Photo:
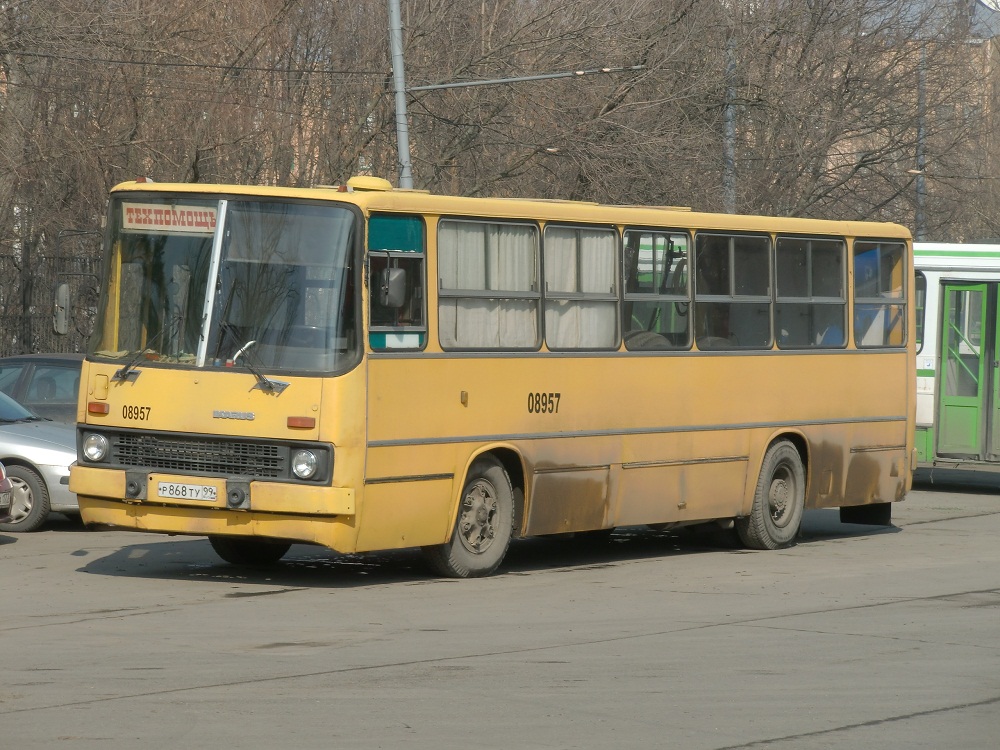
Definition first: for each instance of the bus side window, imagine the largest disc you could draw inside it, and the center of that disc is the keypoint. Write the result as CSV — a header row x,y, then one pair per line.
x,y
488,291
920,294
581,287
811,303
396,320
879,294
732,292
655,312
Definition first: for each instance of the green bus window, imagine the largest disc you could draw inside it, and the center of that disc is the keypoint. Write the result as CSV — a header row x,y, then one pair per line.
x,y
402,233
396,260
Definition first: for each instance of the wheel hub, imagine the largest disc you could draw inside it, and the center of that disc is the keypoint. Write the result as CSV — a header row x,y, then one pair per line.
x,y
20,500
479,509
778,497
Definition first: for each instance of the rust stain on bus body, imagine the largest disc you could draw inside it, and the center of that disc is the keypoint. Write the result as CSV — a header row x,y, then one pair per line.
x,y
570,500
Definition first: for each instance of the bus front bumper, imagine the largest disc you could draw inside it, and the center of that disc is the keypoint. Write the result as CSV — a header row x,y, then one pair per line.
x,y
111,497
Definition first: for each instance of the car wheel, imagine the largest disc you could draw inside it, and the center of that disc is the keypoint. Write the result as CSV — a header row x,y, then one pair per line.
x,y
29,507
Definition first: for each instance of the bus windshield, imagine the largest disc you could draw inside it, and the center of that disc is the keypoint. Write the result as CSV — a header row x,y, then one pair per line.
x,y
253,283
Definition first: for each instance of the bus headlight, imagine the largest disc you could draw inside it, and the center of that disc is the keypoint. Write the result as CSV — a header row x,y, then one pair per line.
x,y
304,464
95,447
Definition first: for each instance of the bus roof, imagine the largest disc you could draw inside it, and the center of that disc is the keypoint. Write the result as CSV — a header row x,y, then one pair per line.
x,y
420,201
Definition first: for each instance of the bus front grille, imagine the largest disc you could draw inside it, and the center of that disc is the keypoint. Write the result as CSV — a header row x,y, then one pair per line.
x,y
184,454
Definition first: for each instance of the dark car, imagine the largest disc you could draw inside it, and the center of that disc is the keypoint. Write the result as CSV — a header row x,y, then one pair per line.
x,y
47,384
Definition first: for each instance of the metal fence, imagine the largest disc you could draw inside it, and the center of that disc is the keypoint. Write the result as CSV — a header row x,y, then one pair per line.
x,y
27,302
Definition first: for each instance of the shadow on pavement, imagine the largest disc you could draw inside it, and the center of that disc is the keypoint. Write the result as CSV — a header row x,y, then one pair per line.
x,y
312,567
957,480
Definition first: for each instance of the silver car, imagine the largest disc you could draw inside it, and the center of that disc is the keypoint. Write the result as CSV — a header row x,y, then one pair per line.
x,y
37,455
5,487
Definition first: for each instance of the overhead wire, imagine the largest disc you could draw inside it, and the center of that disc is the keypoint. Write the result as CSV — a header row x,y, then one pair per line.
x,y
199,66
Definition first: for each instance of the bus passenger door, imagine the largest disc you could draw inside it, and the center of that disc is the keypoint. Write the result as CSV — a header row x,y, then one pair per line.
x,y
964,391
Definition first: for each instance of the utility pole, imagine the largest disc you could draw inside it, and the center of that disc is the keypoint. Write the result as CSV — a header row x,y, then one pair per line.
x,y
729,131
399,86
920,219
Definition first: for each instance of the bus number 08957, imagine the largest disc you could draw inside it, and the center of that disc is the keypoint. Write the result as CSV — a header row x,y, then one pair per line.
x,y
135,412
543,403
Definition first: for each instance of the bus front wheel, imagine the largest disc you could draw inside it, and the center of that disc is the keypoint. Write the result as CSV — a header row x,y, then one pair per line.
x,y
484,525
241,551
778,501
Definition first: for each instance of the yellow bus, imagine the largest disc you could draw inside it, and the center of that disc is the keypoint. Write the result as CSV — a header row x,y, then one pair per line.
x,y
368,368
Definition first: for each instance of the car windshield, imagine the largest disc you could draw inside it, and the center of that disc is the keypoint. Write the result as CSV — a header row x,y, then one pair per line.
x,y
209,283
11,411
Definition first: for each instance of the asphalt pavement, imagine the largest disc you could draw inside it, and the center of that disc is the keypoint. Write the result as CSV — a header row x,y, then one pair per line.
x,y
856,637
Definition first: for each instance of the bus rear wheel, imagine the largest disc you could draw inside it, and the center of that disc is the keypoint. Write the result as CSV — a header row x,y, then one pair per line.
x,y
778,501
484,525
242,551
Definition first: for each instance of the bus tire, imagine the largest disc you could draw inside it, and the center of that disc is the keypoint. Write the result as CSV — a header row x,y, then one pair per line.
x,y
484,525
243,551
778,501
29,506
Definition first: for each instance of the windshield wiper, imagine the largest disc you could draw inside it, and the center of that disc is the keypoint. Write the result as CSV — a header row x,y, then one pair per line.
x,y
263,383
128,372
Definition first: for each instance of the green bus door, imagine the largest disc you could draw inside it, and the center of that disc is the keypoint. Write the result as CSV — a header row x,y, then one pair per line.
x,y
967,401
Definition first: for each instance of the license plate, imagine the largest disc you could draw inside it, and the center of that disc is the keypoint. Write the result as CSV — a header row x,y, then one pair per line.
x,y
5,500
178,491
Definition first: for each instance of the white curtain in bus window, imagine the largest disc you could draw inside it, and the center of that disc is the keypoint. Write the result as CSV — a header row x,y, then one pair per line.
x,y
487,285
810,293
879,294
581,305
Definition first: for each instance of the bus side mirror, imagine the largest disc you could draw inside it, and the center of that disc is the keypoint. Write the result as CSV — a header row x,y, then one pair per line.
x,y
60,309
392,288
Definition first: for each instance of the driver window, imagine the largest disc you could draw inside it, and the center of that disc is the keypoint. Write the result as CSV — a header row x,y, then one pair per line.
x,y
396,244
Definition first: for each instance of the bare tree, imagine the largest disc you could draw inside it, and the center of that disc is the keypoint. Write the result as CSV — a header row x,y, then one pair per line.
x,y
843,108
